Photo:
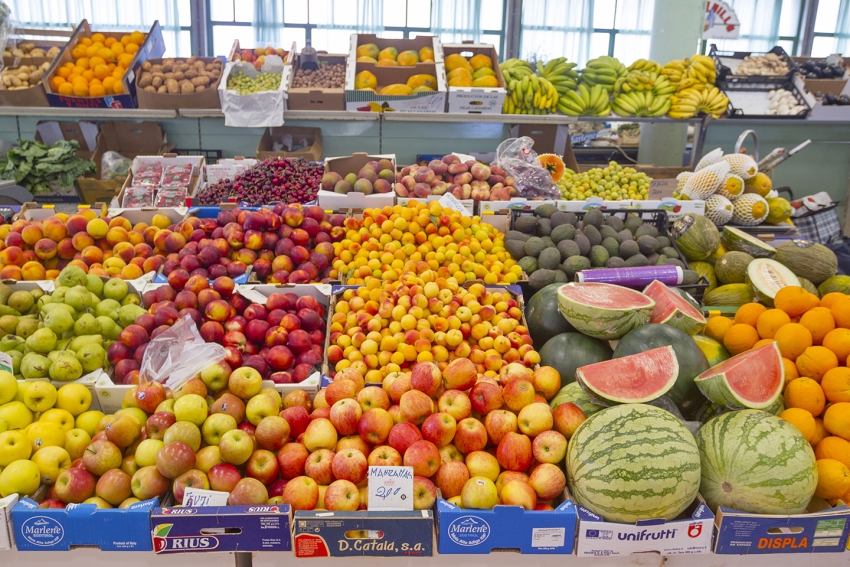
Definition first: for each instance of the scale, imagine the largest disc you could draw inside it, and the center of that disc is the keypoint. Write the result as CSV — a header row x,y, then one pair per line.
x,y
309,58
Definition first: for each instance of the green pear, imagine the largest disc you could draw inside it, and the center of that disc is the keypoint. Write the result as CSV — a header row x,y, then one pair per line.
x,y
59,293
58,321
78,297
61,306
10,343
86,325
66,367
43,340
62,344
5,292
21,301
44,300
91,357
71,276
108,327
94,284
107,308
26,327
8,323
53,355
128,313
131,299
34,365
79,342
16,357
116,289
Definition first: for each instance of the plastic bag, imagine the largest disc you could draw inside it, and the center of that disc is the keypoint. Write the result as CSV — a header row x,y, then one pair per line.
x,y
516,157
114,166
178,354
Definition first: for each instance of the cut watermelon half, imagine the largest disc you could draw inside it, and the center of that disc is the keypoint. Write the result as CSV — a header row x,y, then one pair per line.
x,y
750,380
673,309
631,379
603,311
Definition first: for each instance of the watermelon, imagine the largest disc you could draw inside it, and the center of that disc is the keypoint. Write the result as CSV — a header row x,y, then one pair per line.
x,y
544,317
567,351
714,351
604,311
752,379
631,379
573,393
692,361
672,309
755,462
633,462
709,410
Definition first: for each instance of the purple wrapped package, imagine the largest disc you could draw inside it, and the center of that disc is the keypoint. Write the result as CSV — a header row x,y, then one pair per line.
x,y
635,278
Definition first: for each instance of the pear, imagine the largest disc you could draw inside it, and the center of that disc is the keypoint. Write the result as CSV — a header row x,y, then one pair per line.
x,y
6,310
34,365
79,342
131,299
78,297
26,327
86,325
10,343
66,367
63,343
58,321
8,323
37,293
53,355
71,276
59,294
94,284
116,289
16,357
44,300
91,357
5,292
21,301
107,308
108,327
128,313
43,340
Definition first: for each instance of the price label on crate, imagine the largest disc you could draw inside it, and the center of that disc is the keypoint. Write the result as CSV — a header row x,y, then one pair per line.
x,y
390,488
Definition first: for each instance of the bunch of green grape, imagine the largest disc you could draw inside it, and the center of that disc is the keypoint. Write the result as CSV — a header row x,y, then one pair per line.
x,y
612,183
244,84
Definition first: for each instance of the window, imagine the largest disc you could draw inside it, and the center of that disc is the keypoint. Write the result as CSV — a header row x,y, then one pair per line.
x,y
832,28
765,24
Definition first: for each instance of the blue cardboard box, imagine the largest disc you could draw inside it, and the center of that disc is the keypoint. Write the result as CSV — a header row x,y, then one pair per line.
x,y
82,525
364,534
505,528
819,531
221,528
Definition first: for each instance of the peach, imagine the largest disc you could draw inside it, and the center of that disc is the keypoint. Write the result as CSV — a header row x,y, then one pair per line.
x,y
120,222
14,239
97,228
81,240
45,249
54,229
32,234
142,250
76,223
124,250
66,249
150,234
92,255
11,273
12,256
33,271
117,234
131,272
152,264
29,256
160,221
136,237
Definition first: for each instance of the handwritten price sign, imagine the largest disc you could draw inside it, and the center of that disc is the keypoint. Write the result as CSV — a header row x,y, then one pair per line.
x,y
390,488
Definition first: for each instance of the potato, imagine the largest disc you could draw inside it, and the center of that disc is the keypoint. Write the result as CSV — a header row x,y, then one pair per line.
x,y
191,74
178,76
38,53
26,47
150,89
15,81
167,65
183,67
172,86
18,53
36,75
200,88
162,89
201,81
157,81
146,66
168,76
156,69
53,51
186,87
191,60
145,80
214,75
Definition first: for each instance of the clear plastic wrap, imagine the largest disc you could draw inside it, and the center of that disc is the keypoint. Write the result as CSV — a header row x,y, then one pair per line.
x,y
178,354
516,157
114,166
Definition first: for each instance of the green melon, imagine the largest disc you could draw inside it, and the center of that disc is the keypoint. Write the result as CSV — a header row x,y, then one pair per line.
x,y
696,237
735,239
714,351
809,286
692,361
730,294
568,351
573,393
709,410
835,284
716,255
633,462
604,311
808,259
544,316
767,277
707,271
732,267
755,462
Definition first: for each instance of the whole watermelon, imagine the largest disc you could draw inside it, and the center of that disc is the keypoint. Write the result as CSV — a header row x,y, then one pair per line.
x,y
692,361
633,462
544,316
568,351
756,462
574,393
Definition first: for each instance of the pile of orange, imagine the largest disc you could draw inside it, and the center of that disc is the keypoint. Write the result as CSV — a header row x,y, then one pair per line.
x,y
99,64
814,339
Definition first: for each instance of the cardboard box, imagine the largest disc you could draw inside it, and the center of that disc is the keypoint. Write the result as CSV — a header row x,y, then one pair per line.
x,y
674,208
255,110
228,168
505,528
7,531
34,211
35,36
32,96
476,100
828,112
130,139
207,98
199,163
265,149
368,101
316,99
151,48
353,164
221,528
82,525
363,534
818,531
415,43
688,535
594,203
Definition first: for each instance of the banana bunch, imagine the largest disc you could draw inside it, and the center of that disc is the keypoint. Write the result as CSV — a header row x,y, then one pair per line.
x,y
645,65
641,103
689,102
593,101
674,70
701,68
603,71
560,73
513,69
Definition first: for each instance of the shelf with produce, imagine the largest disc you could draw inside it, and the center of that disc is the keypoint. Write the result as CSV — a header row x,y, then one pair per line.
x,y
99,113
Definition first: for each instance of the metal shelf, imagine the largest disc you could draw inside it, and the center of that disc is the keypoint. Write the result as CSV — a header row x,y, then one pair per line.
x,y
96,113
288,114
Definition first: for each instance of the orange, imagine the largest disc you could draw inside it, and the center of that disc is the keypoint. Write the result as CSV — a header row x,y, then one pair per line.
x,y
106,53
763,342
107,84
98,37
802,420
63,72
790,370
137,37
829,299
109,41
97,90
79,51
836,385
841,312
836,419
57,82
81,90
740,338
118,73
834,448
819,321
66,89
91,50
793,339
77,70
117,49
717,326
70,65
118,88
816,361
83,62
101,72
805,393
749,314
838,341
85,41
770,321
833,479
125,39
88,75
794,300
95,61
126,59
131,48
821,432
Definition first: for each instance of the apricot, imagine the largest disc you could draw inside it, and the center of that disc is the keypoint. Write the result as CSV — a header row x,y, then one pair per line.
x,y
32,234
54,229
97,228
91,255
117,234
33,271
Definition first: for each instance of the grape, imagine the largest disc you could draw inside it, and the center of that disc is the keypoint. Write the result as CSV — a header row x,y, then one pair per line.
x,y
612,183
246,85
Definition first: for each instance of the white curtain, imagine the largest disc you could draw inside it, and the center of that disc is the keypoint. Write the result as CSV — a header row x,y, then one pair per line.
x,y
759,26
456,20
633,21
268,20
555,28
335,21
841,43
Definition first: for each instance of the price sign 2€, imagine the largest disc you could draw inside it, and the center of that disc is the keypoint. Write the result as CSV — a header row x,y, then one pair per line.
x,y
390,488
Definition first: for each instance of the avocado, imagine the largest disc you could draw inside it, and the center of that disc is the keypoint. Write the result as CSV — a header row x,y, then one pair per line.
x,y
516,235
606,231
528,264
583,243
516,248
689,277
611,245
663,241
633,223
574,265
562,218
545,211
541,278
625,235
562,232
647,229
592,234
647,244
636,260
544,227
526,224
628,249
615,262
674,262
593,217
614,222
598,256
568,249
549,259
547,241
668,251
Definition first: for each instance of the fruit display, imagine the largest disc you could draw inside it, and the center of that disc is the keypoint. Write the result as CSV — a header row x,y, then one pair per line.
x,y
391,241
258,56
22,77
612,183
179,76
464,180
269,181
604,71
444,322
29,49
593,101
390,56
245,85
476,71
326,76
528,92
99,65
769,64
374,177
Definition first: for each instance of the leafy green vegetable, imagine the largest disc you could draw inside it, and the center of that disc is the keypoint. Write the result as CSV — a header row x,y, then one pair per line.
x,y
35,166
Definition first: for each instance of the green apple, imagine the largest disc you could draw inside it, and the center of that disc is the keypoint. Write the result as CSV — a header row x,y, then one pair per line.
x,y
14,446
167,405
45,434
16,414
8,387
74,399
76,442
40,396
21,477
215,426
138,413
60,417
51,461
3,426
146,452
192,408
88,420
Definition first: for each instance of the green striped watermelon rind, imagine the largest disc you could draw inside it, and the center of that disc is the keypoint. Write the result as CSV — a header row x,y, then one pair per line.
x,y
573,393
602,322
638,445
599,396
715,385
756,462
684,316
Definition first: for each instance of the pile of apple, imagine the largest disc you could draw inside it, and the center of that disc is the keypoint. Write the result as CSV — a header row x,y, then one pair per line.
x,y
258,56
464,180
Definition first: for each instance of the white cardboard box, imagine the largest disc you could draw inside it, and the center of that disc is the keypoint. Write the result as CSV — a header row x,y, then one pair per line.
x,y
476,100
344,165
7,532
594,203
674,208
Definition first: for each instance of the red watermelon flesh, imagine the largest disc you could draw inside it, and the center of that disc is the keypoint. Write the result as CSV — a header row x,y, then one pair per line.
x,y
673,309
752,379
631,379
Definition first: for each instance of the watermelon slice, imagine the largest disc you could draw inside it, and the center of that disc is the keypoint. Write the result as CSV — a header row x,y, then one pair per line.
x,y
673,309
750,380
603,311
631,379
